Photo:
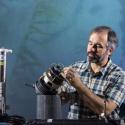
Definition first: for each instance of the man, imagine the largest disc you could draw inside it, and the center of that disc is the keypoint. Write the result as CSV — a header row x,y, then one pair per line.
x,y
98,85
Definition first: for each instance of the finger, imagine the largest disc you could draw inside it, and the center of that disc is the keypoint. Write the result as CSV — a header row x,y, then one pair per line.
x,y
69,77
63,74
67,69
70,73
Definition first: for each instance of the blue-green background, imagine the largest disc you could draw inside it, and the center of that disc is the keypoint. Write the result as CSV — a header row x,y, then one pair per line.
x,y
42,32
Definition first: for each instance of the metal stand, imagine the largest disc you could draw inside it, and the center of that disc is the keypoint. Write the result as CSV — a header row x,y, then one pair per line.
x,y
3,53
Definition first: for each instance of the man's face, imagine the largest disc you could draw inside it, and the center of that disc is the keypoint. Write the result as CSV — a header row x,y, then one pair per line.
x,y
97,49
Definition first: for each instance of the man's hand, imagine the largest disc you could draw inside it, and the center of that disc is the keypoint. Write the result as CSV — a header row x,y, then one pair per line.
x,y
64,96
73,77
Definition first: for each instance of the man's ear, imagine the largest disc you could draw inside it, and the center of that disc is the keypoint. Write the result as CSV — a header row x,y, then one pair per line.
x,y
110,51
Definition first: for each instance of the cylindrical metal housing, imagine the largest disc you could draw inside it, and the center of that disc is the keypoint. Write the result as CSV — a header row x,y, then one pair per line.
x,y
48,107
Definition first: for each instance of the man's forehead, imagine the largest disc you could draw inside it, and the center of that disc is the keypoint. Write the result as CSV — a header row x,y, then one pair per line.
x,y
100,36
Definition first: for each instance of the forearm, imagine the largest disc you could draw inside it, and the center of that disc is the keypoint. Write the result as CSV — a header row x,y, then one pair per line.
x,y
91,100
94,102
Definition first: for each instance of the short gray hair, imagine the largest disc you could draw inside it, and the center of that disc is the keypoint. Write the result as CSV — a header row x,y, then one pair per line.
x,y
112,37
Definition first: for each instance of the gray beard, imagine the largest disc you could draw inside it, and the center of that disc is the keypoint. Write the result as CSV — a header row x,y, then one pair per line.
x,y
96,60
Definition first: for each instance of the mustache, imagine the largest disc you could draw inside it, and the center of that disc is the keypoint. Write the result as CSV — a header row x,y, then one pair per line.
x,y
94,57
93,54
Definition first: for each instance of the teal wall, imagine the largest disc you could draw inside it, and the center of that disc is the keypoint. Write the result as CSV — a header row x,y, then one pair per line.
x,y
42,32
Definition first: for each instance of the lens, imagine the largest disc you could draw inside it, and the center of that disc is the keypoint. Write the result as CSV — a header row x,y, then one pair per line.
x,y
51,80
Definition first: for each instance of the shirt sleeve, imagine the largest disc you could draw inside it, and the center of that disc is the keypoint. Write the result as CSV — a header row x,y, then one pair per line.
x,y
117,93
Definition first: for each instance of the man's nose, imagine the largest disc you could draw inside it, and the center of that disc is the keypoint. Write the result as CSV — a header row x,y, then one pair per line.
x,y
94,48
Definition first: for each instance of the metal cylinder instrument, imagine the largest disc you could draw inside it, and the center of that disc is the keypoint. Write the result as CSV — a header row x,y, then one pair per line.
x,y
48,101
50,81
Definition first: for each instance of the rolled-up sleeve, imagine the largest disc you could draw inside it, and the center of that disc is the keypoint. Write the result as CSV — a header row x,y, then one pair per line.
x,y
117,93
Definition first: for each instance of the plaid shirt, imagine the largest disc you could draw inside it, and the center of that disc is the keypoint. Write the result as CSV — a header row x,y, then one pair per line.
x,y
108,83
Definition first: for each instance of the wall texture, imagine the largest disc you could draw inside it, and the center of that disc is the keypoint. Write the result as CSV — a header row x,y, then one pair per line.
x,y
42,32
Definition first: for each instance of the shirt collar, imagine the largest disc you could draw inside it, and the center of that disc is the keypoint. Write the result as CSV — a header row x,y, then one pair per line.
x,y
102,70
